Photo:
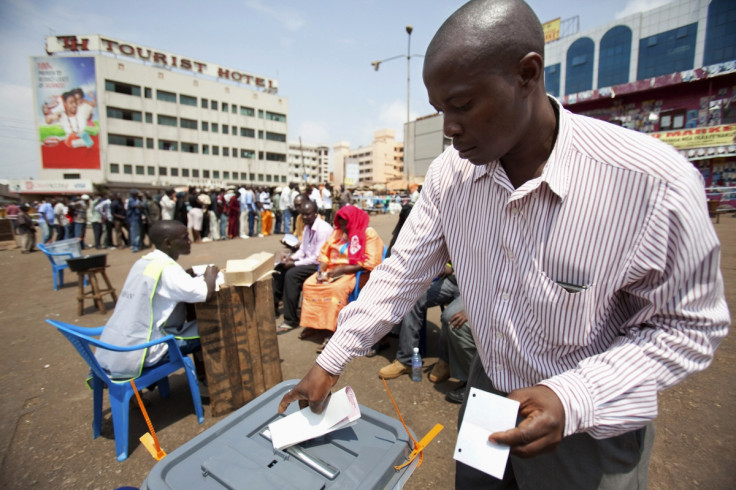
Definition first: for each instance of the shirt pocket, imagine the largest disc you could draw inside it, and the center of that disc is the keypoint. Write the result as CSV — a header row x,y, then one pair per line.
x,y
562,317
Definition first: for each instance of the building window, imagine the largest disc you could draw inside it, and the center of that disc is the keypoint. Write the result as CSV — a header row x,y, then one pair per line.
x,y
151,170
225,151
147,92
247,133
205,126
213,105
124,114
247,153
234,130
252,176
247,111
224,107
225,174
205,149
168,146
139,170
214,127
614,57
260,134
215,174
215,150
187,100
122,88
260,155
114,168
166,120
165,96
163,171
149,143
260,113
235,152
673,51
580,66
123,140
283,178
195,173
233,109
149,118
205,174
260,177
185,172
225,128
720,34
552,79
204,103
242,175
190,148
275,136
275,116
275,157
188,123
128,169
268,178
174,172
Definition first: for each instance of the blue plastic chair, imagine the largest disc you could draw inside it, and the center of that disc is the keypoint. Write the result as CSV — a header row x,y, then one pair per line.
x,y
121,391
354,295
57,266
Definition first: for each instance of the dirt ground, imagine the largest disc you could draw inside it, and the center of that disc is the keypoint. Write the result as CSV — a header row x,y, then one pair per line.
x,y
46,435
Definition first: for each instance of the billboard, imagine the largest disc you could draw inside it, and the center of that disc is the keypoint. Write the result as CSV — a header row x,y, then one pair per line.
x,y
66,112
551,30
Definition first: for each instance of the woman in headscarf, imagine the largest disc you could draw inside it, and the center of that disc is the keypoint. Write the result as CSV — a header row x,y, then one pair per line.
x,y
233,216
352,247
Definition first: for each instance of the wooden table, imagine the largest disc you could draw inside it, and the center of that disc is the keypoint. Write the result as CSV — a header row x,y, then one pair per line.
x,y
237,329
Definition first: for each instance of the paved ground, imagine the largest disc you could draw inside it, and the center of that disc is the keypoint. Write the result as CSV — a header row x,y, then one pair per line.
x,y
46,436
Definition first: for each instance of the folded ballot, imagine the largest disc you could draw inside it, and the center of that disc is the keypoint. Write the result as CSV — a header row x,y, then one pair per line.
x,y
342,410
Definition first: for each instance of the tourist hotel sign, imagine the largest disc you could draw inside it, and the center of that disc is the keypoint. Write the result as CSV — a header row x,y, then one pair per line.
x,y
85,44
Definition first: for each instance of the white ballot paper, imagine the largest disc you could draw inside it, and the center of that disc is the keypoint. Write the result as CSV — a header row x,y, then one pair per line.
x,y
342,410
485,413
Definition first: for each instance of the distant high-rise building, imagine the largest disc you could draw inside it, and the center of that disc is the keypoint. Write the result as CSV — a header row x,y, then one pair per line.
x,y
308,163
380,163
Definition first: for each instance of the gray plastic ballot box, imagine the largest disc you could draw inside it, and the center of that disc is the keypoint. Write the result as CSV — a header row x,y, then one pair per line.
x,y
237,453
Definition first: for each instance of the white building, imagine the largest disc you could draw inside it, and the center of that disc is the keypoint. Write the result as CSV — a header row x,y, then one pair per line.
x,y
425,140
308,164
379,163
160,119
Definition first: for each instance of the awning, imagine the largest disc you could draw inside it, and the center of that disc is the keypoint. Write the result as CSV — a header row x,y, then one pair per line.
x,y
709,152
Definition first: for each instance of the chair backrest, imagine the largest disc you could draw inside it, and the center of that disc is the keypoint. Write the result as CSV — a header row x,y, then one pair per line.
x,y
361,278
82,342
57,259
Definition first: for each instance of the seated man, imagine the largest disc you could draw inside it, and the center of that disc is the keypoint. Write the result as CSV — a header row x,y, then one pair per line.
x,y
297,267
442,292
152,304
457,349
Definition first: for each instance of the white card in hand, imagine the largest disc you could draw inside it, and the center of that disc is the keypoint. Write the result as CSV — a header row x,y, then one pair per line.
x,y
341,411
485,413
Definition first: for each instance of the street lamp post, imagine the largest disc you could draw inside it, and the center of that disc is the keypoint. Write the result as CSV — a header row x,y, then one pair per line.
x,y
376,64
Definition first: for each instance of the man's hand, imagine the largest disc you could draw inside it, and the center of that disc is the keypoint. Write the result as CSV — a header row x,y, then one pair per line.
x,y
313,390
288,263
542,427
210,278
458,319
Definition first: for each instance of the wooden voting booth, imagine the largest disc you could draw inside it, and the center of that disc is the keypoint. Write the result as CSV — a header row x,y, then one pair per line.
x,y
239,345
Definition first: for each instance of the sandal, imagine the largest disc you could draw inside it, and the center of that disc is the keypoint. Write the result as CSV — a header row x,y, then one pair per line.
x,y
283,328
307,332
323,345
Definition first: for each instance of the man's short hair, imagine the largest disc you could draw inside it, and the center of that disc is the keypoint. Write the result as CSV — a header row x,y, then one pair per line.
x,y
308,205
161,230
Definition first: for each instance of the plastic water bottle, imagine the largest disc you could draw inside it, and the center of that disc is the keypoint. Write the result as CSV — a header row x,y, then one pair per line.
x,y
416,365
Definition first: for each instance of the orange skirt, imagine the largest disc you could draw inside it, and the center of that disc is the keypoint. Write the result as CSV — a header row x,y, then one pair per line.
x,y
322,302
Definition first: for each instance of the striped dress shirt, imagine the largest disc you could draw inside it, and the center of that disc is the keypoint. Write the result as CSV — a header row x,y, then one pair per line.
x,y
599,279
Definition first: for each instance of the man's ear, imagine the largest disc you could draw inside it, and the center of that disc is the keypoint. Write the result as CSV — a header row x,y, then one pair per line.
x,y
531,72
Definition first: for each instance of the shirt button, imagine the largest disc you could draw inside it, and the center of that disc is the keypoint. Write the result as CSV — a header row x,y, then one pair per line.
x,y
505,296
499,335
514,211
499,367
510,254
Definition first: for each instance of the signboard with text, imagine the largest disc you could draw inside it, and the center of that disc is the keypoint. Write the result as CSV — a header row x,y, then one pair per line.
x,y
698,137
66,112
551,30
51,187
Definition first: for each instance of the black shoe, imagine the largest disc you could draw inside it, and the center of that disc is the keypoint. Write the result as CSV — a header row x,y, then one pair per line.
x,y
457,395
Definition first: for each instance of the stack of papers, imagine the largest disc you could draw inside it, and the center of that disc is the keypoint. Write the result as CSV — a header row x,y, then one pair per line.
x,y
342,411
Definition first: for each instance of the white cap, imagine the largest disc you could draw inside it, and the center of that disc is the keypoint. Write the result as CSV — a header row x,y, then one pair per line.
x,y
85,197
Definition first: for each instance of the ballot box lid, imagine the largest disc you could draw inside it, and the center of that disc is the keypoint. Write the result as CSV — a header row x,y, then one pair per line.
x,y
235,454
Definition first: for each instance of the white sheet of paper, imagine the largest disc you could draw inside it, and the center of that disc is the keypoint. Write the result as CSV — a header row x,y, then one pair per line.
x,y
341,411
485,413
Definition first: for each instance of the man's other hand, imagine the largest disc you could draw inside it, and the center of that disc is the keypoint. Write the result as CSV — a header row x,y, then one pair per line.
x,y
542,427
313,390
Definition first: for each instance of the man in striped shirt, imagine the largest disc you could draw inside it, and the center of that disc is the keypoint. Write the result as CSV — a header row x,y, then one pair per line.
x,y
588,263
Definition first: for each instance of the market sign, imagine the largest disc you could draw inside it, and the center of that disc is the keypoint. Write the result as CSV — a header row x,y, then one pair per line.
x,y
551,30
698,137
84,44
51,187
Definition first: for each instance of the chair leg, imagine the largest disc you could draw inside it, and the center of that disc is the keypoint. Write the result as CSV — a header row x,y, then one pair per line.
x,y
120,408
97,388
194,388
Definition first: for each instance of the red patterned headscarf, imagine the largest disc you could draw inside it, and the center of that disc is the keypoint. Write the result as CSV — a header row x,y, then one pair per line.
x,y
357,223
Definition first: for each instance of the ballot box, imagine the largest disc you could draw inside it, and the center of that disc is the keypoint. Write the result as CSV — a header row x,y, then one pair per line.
x,y
234,453
237,329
